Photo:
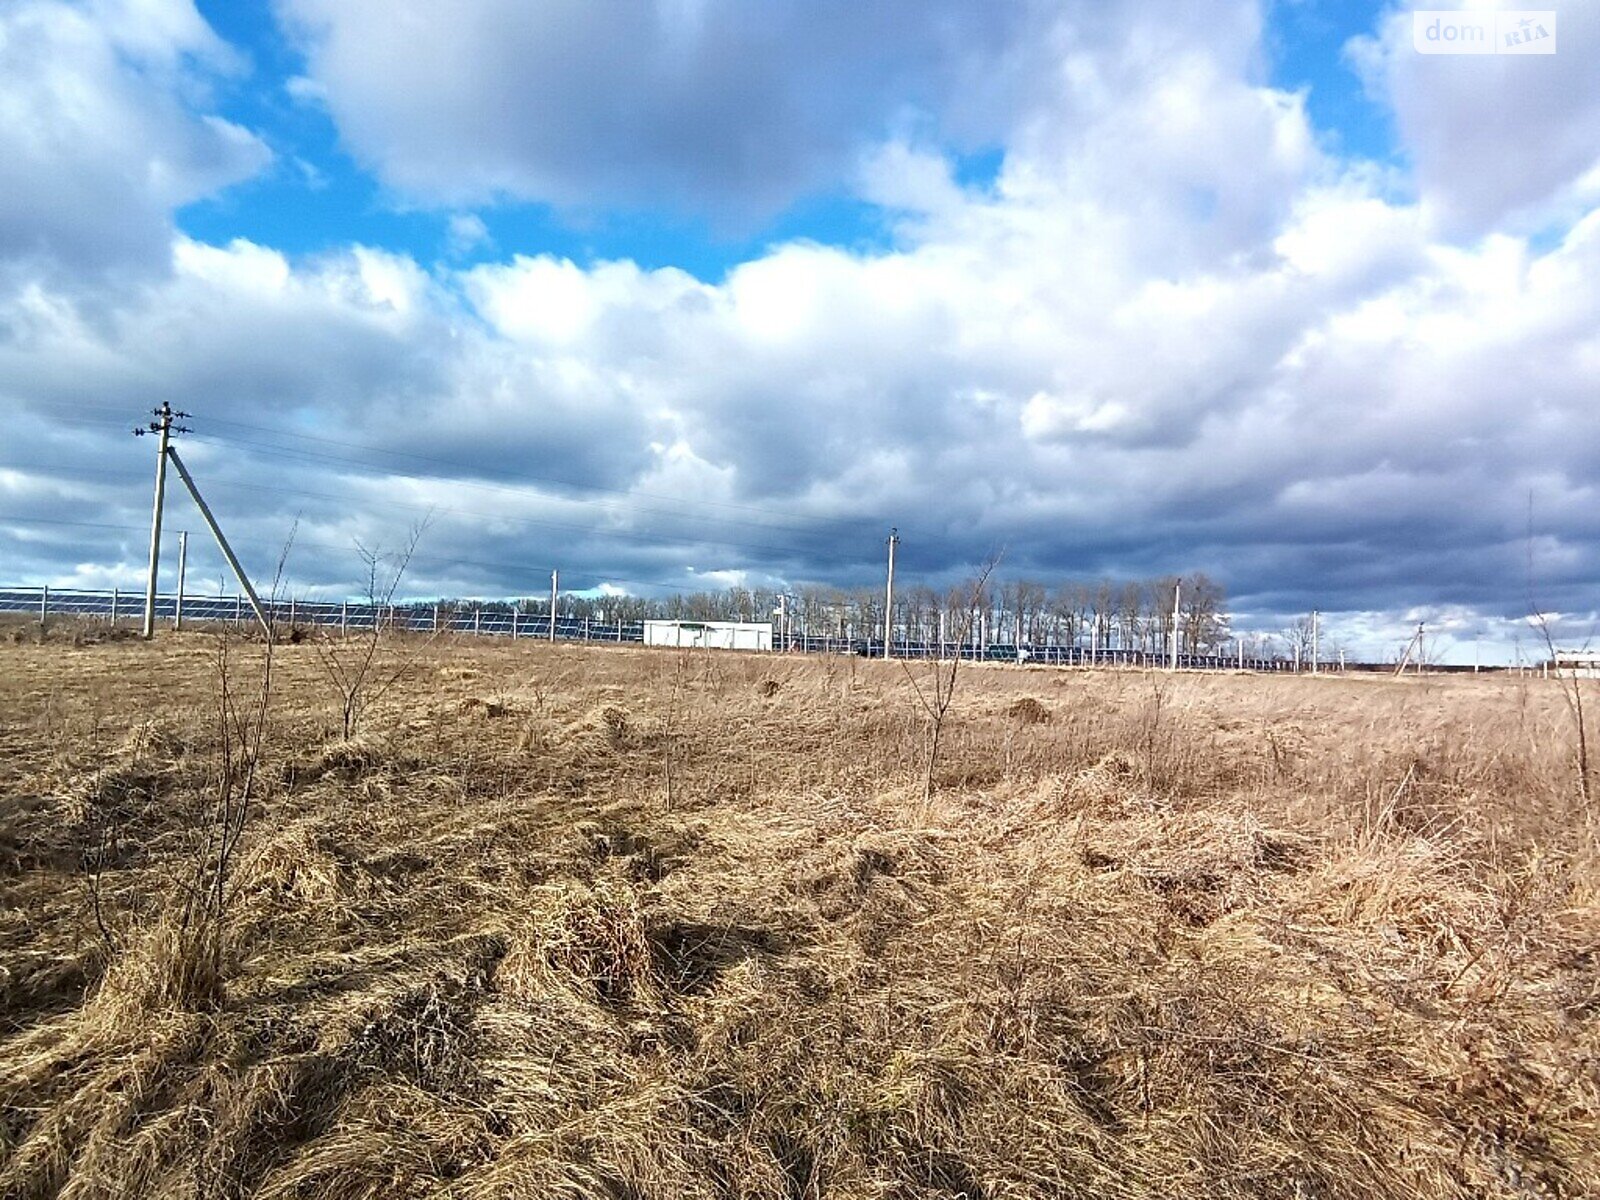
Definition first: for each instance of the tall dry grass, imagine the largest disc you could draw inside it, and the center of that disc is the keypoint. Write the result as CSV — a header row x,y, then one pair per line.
x,y
1152,936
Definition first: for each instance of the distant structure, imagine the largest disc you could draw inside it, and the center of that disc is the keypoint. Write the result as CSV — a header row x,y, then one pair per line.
x,y
715,635
1577,664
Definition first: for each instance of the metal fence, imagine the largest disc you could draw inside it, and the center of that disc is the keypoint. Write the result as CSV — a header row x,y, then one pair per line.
x,y
117,606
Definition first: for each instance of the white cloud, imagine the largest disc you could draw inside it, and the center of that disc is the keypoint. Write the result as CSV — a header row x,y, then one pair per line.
x,y
1494,137
721,107
466,232
97,144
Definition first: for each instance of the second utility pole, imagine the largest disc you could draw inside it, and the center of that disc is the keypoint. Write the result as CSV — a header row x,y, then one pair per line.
x,y
888,595
1177,606
183,563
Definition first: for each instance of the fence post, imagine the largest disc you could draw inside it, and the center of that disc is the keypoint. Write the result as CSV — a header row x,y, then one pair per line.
x,y
113,608
44,604
343,605
513,622
477,620
238,608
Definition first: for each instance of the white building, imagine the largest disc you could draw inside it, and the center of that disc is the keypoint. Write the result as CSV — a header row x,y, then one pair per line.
x,y
716,635
1579,664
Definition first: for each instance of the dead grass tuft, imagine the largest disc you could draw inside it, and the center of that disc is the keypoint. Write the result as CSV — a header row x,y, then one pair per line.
x,y
594,937
168,969
1028,711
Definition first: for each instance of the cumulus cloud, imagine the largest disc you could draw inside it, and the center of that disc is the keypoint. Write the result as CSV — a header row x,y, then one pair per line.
x,y
708,104
1494,137
102,136
718,107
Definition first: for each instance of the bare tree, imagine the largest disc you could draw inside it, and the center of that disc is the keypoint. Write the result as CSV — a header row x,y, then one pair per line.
x,y
352,664
243,713
1129,625
940,693
1297,636
1158,602
1205,627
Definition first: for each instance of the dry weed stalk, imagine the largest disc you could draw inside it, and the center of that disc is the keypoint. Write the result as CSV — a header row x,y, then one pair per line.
x,y
1572,697
1571,687
669,731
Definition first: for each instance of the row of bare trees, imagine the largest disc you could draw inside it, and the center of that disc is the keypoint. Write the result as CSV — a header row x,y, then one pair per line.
x,y
1134,615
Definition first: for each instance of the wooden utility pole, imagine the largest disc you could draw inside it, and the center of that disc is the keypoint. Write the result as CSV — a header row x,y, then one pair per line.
x,y
888,595
1406,657
163,428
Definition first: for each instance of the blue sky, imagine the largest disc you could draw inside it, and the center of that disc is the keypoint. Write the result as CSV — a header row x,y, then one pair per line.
x,y
685,290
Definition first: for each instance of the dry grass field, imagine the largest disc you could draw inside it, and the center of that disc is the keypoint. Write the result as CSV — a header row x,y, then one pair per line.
x,y
568,922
